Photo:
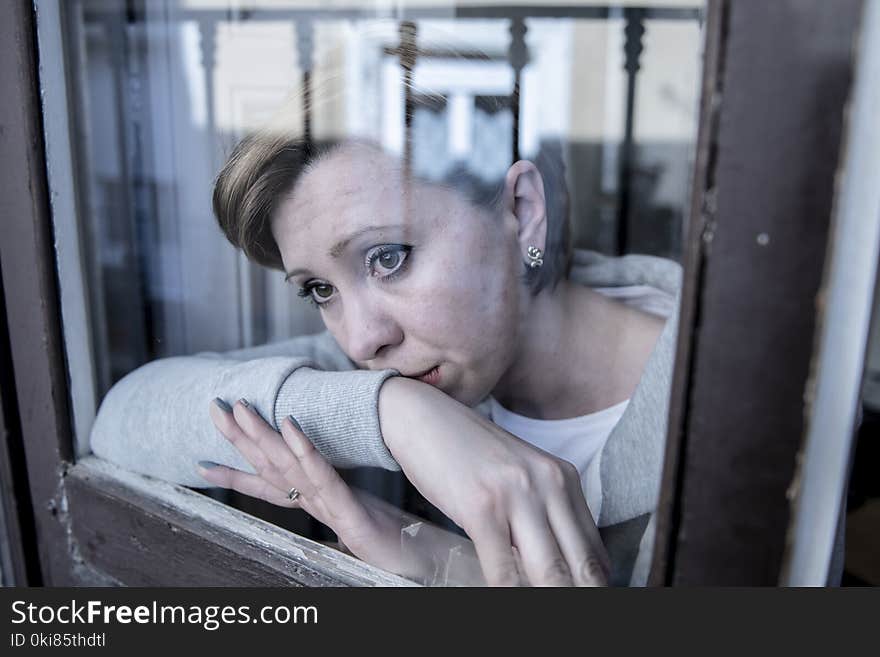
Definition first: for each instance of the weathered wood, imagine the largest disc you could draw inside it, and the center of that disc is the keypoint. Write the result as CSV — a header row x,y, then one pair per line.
x,y
145,532
30,287
757,252
17,534
700,214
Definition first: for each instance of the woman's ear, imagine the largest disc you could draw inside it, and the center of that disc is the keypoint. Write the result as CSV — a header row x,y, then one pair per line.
x,y
524,194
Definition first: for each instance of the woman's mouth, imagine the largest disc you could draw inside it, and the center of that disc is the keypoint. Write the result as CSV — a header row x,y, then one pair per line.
x,y
431,377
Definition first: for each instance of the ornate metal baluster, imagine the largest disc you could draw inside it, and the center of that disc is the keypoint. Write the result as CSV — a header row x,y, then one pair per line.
x,y
407,52
517,55
208,49
304,43
634,30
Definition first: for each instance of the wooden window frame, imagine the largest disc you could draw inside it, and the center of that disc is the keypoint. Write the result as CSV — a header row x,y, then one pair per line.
x,y
724,511
771,127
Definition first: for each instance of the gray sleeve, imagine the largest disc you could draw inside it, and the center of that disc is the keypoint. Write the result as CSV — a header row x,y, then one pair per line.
x,y
155,420
340,414
637,444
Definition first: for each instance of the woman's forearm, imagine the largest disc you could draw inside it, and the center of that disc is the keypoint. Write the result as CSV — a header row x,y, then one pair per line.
x,y
395,403
155,420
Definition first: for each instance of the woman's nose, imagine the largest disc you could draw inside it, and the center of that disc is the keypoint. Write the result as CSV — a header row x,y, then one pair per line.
x,y
370,330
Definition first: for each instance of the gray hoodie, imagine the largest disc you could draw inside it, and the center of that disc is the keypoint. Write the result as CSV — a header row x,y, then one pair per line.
x,y
155,420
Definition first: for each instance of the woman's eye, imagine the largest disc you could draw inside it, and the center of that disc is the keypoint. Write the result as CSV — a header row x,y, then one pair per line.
x,y
389,260
322,292
319,293
385,260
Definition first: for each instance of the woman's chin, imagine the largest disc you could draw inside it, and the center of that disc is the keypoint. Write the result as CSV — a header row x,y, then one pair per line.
x,y
469,396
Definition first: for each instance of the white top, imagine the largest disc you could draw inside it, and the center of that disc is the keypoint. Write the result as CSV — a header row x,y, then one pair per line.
x,y
579,440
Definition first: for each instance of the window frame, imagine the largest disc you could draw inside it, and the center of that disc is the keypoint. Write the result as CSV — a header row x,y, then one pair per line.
x,y
96,525
761,223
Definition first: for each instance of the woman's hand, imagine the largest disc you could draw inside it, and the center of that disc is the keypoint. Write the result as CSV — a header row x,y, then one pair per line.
x,y
508,495
289,460
369,527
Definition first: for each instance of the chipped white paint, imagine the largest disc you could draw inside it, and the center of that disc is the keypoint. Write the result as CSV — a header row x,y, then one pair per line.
x,y
60,171
287,545
844,319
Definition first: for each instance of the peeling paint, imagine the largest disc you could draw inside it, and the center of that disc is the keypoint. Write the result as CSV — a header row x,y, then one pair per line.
x,y
298,554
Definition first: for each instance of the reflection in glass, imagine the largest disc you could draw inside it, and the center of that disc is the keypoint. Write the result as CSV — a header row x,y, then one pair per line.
x,y
164,91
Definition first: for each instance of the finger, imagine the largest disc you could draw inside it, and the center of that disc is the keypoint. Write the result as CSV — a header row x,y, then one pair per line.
x,y
262,434
542,559
247,484
281,467
492,542
228,425
578,538
324,485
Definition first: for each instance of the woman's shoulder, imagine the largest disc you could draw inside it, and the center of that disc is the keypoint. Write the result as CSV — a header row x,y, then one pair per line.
x,y
319,348
598,270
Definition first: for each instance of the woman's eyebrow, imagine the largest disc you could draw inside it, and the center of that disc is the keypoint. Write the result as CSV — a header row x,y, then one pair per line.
x,y
294,272
337,249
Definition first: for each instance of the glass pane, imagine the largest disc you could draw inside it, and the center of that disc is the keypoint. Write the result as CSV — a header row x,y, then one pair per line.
x,y
417,114
861,543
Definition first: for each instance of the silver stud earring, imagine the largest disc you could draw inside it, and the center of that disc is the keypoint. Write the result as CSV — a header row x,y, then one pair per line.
x,y
536,256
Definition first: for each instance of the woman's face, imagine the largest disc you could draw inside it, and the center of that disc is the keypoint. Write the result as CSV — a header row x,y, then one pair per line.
x,y
411,278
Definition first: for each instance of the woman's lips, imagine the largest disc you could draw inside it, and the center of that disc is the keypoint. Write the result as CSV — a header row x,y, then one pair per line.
x,y
431,377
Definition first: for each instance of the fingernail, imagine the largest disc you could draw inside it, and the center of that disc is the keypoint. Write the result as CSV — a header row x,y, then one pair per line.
x,y
222,405
295,424
208,464
297,446
244,402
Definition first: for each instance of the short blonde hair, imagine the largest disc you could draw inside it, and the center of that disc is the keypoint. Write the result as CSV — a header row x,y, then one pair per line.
x,y
258,174
264,168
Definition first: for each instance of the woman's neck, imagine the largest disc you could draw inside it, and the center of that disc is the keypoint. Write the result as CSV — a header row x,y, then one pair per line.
x,y
579,353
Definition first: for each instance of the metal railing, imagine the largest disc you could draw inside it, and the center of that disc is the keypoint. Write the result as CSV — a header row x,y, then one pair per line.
x,y
408,52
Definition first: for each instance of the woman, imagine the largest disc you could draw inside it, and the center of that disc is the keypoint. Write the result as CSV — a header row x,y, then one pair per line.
x,y
465,301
